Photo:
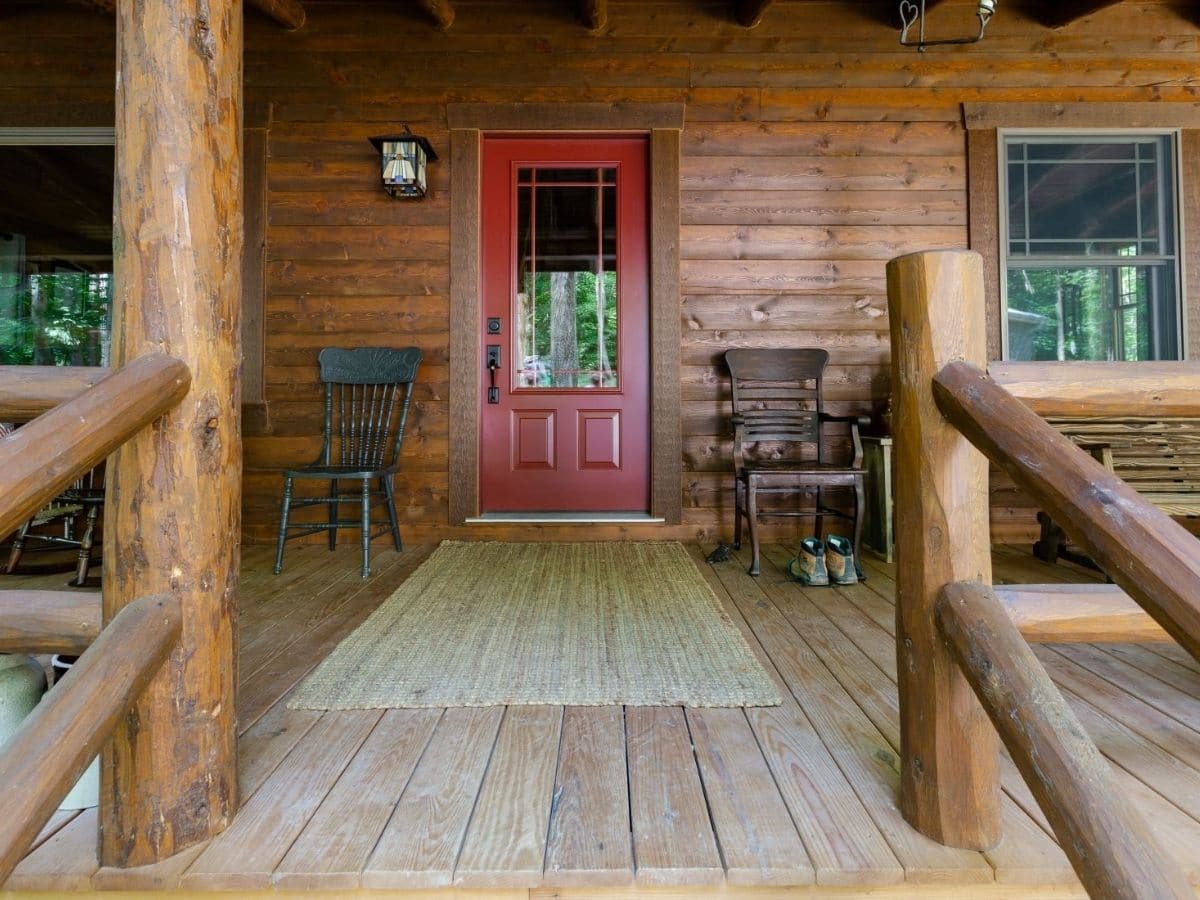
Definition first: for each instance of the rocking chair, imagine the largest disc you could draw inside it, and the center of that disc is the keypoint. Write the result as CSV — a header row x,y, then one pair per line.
x,y
367,396
779,446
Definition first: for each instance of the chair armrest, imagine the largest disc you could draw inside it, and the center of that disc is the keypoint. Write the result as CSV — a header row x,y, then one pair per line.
x,y
860,421
855,423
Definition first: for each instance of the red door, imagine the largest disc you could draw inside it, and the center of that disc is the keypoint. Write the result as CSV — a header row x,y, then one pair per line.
x,y
565,330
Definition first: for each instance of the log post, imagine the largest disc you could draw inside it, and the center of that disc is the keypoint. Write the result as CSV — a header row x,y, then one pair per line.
x,y
949,780
169,776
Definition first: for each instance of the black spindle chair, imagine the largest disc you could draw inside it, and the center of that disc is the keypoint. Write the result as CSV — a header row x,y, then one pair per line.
x,y
779,445
367,396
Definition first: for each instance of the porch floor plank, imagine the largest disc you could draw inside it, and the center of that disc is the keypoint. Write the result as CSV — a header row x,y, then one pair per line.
x,y
1028,854
843,843
550,801
245,855
66,861
506,842
588,839
673,842
861,751
758,840
420,845
333,848
1166,671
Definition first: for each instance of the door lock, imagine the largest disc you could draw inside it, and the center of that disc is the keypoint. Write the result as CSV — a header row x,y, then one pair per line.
x,y
493,363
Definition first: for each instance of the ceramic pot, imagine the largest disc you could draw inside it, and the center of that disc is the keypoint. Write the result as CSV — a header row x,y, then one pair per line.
x,y
22,683
86,792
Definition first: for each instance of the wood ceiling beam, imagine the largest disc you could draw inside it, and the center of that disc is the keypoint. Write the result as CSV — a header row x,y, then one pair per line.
x,y
288,13
1056,15
594,14
441,11
749,13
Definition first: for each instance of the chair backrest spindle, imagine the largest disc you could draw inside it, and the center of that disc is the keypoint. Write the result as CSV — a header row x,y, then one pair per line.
x,y
369,383
777,395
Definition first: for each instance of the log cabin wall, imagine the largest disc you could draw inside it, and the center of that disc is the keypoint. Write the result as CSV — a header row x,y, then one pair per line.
x,y
815,149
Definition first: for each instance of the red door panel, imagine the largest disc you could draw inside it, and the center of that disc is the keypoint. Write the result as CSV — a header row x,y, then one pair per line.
x,y
565,279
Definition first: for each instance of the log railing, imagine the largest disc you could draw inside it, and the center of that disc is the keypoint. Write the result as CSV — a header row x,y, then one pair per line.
x,y
961,652
39,765
61,737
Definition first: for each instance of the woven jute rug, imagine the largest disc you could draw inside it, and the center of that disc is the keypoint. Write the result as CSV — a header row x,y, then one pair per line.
x,y
485,624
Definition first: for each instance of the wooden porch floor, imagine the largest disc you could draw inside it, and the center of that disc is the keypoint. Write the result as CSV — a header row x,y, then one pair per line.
x,y
551,802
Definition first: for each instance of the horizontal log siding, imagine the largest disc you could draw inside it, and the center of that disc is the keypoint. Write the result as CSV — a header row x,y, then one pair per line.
x,y
814,150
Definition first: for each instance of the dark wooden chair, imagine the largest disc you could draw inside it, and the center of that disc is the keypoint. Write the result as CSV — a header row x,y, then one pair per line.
x,y
82,500
367,396
779,446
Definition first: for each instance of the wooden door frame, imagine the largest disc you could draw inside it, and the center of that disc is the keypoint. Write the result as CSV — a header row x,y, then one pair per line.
x,y
664,124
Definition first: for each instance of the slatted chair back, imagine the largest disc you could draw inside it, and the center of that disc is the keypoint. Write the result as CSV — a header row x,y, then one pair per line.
x,y
368,391
777,395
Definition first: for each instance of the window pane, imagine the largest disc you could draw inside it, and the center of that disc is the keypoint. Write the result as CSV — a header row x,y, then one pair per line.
x,y
566,308
1016,204
1092,313
55,254
1089,239
1082,201
1071,150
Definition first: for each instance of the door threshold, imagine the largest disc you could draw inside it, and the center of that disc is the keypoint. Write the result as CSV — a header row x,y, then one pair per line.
x,y
566,518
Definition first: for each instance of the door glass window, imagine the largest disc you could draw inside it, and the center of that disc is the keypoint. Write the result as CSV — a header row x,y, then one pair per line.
x,y
566,305
1091,265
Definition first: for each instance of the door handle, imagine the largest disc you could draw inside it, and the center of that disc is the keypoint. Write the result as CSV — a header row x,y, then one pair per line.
x,y
493,363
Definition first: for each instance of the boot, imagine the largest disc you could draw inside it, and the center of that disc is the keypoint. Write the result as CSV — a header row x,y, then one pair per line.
x,y
839,559
808,567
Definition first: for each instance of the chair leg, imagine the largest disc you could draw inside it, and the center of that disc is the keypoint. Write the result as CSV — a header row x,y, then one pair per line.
x,y
391,508
18,547
860,504
283,523
819,521
737,513
366,527
1048,548
752,518
333,513
85,546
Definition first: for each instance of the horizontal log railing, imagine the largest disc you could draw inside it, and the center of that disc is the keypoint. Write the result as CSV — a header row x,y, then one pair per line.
x,y
1150,555
1109,845
59,739
956,633
1102,388
28,391
1078,614
40,459
48,621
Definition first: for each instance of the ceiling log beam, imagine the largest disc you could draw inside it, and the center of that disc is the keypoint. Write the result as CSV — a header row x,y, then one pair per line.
x,y
749,13
1057,15
288,13
594,14
441,11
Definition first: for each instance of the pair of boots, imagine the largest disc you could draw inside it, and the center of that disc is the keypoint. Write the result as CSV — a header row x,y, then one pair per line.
x,y
820,564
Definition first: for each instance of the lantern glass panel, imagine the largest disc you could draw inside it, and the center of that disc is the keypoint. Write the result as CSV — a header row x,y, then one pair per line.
x,y
404,168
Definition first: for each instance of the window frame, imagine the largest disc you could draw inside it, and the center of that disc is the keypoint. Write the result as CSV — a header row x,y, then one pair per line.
x,y
1175,134
982,120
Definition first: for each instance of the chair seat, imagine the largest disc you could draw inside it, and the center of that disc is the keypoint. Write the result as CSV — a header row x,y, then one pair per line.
x,y
797,467
326,472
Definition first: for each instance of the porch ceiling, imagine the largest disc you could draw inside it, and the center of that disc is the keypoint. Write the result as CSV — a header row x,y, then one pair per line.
x,y
593,15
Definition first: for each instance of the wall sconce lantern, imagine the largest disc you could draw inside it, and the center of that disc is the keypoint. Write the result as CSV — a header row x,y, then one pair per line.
x,y
404,159
912,12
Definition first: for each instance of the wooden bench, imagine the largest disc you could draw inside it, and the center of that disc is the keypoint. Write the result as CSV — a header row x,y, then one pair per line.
x,y
1158,456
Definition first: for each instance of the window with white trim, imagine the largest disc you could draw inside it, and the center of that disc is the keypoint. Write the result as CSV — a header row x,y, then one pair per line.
x,y
1089,246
